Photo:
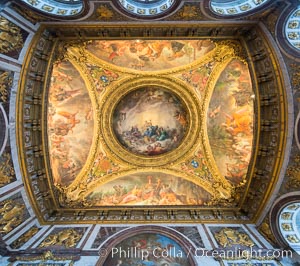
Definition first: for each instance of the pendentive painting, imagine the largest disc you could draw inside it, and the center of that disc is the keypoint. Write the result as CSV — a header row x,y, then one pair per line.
x,y
230,121
150,121
148,249
70,123
148,189
150,55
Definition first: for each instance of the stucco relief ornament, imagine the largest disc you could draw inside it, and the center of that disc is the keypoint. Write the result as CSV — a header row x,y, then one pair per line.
x,y
226,195
294,175
7,171
228,237
11,215
67,50
68,238
72,197
265,230
10,36
24,238
5,84
104,13
189,12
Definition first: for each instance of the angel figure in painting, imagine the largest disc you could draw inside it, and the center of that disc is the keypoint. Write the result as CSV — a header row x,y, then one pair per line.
x,y
238,122
181,117
71,119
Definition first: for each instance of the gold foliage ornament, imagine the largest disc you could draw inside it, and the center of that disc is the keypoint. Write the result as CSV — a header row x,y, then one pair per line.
x,y
104,13
228,237
10,36
67,238
225,195
11,215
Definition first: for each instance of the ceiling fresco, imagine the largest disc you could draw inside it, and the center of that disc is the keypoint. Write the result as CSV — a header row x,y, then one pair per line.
x,y
151,188
150,55
70,122
150,122
230,121
178,118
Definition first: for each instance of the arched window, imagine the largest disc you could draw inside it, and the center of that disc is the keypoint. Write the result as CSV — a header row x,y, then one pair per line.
x,y
235,7
292,28
289,225
147,8
61,8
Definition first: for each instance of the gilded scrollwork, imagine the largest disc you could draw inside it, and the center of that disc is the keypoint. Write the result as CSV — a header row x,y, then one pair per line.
x,y
72,197
232,196
5,84
46,256
10,36
7,172
266,231
63,49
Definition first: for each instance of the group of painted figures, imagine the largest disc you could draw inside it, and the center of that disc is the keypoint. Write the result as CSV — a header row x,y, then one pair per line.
x,y
156,138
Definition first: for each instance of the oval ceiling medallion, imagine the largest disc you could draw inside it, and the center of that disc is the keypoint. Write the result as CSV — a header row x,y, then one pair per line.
x,y
235,7
150,121
147,122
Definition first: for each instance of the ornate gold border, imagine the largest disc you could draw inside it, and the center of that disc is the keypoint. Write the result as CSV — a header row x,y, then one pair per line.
x,y
165,170
113,96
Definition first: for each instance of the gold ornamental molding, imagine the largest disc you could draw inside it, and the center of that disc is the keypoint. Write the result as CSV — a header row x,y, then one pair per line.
x,y
188,99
